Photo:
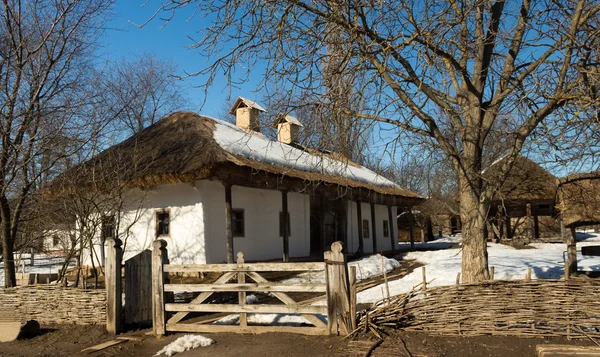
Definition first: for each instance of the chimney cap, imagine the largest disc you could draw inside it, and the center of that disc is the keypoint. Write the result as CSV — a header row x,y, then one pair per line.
x,y
286,118
244,102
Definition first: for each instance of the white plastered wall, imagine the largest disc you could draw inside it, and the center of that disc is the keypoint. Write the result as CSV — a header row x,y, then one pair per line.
x,y
261,239
381,214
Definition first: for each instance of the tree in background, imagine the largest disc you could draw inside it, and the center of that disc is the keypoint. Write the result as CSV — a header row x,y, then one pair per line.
x,y
449,71
142,88
45,96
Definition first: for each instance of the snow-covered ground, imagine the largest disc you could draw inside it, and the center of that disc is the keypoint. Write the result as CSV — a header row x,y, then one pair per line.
x,y
43,263
185,343
442,266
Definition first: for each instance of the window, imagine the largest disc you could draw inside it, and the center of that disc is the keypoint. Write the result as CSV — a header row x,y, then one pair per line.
x,y
108,228
386,228
365,227
162,223
281,223
237,222
55,240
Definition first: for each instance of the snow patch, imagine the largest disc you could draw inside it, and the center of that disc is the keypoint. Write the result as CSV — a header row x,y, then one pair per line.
x,y
185,343
256,147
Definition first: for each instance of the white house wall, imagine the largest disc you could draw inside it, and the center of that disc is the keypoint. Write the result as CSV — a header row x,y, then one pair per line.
x,y
381,214
261,239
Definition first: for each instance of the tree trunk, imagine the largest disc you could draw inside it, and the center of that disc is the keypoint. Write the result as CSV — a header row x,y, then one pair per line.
x,y
474,247
10,278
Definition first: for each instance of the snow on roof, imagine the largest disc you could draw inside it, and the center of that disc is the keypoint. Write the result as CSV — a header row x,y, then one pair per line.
x,y
247,102
288,118
239,142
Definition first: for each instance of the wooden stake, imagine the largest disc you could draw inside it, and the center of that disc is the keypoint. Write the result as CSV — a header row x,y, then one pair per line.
x,y
424,278
528,275
387,287
492,273
242,295
352,279
159,256
458,279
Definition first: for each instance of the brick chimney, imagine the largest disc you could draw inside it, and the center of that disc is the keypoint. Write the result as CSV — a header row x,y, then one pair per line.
x,y
246,114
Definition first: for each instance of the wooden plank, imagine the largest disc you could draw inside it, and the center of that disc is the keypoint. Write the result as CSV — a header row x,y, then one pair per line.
x,y
286,299
114,303
194,268
201,298
391,225
103,346
255,309
246,287
567,350
242,295
313,331
352,279
572,252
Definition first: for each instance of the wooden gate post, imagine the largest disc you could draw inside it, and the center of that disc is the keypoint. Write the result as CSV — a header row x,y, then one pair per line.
x,y
338,291
112,277
159,257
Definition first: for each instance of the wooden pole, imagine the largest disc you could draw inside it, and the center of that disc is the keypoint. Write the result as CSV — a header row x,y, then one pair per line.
x,y
159,257
112,275
392,224
374,227
338,291
501,222
228,219
458,278
411,231
572,252
424,273
241,278
286,238
352,279
528,275
529,224
536,227
361,248
492,272
508,227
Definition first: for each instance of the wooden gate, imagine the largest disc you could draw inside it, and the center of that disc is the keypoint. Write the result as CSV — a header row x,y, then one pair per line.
x,y
242,278
138,288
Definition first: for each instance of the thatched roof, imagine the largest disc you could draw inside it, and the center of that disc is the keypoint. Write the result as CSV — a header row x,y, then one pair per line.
x,y
526,182
185,146
579,199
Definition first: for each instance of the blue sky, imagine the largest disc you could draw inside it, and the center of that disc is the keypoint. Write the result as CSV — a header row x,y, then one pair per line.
x,y
170,43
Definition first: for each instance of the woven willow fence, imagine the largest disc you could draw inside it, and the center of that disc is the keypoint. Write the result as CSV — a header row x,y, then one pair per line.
x,y
512,308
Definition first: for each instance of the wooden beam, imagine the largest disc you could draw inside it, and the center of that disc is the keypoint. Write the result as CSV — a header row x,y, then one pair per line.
x,y
529,223
246,287
286,238
228,219
572,252
411,231
114,321
259,309
361,248
391,225
508,227
196,268
159,256
249,329
536,227
374,227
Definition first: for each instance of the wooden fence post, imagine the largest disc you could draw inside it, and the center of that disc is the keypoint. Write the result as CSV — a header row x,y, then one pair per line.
x,y
112,276
338,291
352,279
159,257
241,278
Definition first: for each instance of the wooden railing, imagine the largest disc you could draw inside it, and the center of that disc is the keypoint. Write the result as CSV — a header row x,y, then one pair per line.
x,y
233,279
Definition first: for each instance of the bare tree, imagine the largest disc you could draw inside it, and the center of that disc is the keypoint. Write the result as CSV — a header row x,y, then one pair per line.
x,y
46,57
143,89
446,70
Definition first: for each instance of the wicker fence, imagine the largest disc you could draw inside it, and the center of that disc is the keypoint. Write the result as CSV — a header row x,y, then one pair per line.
x,y
513,308
52,304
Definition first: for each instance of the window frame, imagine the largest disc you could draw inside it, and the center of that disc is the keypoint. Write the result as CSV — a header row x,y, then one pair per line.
x,y
158,222
386,228
234,233
365,229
